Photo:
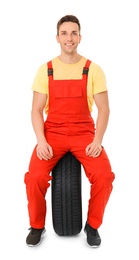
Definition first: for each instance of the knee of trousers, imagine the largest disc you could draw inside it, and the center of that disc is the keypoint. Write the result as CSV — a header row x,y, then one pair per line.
x,y
102,178
102,186
36,183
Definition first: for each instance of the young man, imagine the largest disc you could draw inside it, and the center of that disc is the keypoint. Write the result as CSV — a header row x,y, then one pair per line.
x,y
66,88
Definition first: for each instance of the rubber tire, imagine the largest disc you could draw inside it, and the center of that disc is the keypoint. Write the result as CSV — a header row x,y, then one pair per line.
x,y
66,196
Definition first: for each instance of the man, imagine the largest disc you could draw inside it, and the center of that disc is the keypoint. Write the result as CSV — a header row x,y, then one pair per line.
x,y
65,89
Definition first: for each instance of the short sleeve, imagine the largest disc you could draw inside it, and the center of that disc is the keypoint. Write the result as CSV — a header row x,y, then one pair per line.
x,y
99,81
40,83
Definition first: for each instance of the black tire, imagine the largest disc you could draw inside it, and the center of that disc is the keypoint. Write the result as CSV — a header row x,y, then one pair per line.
x,y
66,196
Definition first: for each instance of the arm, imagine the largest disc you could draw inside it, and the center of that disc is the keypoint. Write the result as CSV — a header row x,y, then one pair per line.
x,y
102,104
44,150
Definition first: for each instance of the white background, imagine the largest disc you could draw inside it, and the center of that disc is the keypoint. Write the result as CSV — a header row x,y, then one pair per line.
x,y
109,38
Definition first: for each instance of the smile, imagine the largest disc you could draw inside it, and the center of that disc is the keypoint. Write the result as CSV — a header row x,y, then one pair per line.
x,y
69,44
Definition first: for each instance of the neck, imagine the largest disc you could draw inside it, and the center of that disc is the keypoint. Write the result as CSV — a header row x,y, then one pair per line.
x,y
70,59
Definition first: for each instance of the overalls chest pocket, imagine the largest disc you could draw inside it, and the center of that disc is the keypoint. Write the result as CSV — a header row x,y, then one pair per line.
x,y
68,89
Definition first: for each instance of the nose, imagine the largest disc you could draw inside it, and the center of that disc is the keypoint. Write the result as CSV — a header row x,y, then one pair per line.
x,y
69,37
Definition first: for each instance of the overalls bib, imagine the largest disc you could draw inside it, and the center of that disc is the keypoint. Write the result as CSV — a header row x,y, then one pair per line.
x,y
69,127
68,108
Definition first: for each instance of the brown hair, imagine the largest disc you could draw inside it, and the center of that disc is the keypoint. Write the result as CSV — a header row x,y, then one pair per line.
x,y
68,18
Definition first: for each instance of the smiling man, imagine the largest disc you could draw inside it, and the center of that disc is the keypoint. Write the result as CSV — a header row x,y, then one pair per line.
x,y
65,88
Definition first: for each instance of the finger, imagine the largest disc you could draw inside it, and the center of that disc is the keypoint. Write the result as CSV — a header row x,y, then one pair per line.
x,y
88,151
97,153
41,155
50,151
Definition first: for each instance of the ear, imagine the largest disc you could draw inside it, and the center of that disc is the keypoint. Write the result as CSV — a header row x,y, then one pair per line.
x,y
57,38
80,37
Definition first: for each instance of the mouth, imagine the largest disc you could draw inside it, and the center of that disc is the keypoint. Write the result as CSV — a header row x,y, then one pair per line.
x,y
69,44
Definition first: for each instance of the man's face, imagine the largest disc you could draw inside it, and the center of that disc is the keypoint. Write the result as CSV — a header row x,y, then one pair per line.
x,y
69,37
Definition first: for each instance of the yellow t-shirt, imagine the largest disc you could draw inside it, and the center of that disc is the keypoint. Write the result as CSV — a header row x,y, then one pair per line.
x,y
96,78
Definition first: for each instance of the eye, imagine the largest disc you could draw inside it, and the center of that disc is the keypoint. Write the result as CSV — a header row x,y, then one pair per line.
x,y
74,33
63,33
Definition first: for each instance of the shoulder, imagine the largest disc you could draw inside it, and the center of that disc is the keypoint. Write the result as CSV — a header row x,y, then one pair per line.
x,y
44,66
96,70
95,66
42,69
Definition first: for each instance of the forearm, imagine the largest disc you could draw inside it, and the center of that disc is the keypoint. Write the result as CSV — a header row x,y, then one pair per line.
x,y
101,124
38,125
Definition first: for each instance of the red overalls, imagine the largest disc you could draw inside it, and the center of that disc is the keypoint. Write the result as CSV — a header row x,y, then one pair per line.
x,y
69,127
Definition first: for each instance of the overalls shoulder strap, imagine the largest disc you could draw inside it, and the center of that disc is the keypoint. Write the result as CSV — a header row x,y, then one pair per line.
x,y
86,67
50,69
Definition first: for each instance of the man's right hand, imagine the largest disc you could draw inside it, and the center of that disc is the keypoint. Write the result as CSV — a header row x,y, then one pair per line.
x,y
44,151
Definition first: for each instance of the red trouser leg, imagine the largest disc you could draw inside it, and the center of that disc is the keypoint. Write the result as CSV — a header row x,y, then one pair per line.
x,y
37,182
99,173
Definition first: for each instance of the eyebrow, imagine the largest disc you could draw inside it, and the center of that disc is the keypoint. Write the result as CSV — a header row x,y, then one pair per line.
x,y
66,31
